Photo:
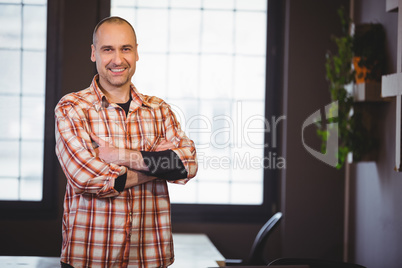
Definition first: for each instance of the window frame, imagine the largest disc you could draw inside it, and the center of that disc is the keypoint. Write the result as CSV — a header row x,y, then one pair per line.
x,y
273,107
48,206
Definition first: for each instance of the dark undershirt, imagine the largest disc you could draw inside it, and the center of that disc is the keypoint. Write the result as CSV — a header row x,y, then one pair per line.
x,y
164,164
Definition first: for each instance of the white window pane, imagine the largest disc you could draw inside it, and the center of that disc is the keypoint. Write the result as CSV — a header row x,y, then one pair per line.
x,y
251,5
33,113
31,159
221,4
10,36
215,124
40,2
216,76
183,76
185,31
248,164
151,76
186,112
217,34
10,1
9,118
214,164
185,3
31,170
251,33
200,127
213,192
129,3
251,124
153,3
152,30
246,193
126,13
33,82
249,109
249,78
222,131
9,188
31,188
9,159
9,70
34,27
183,194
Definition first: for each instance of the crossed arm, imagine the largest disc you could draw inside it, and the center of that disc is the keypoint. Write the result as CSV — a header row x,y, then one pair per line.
x,y
137,171
96,171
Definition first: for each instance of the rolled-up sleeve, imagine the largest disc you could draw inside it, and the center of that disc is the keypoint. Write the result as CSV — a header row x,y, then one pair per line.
x,y
85,173
184,147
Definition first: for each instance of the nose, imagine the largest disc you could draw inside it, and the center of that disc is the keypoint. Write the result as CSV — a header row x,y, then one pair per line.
x,y
118,58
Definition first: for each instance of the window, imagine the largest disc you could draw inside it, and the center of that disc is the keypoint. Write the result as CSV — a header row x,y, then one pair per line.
x,y
29,90
22,98
207,59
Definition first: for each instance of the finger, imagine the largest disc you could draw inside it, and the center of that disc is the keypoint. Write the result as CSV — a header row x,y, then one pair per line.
x,y
165,145
95,145
97,140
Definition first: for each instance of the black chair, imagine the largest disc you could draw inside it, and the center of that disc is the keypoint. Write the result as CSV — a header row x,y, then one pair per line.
x,y
256,255
314,263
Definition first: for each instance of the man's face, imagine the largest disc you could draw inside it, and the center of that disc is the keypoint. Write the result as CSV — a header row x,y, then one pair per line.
x,y
115,54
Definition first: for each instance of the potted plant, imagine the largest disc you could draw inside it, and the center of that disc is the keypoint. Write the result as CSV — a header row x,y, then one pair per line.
x,y
369,52
352,133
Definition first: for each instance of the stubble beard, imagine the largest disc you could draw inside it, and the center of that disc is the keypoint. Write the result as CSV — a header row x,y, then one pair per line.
x,y
117,82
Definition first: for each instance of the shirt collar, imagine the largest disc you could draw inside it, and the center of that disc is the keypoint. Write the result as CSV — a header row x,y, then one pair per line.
x,y
101,100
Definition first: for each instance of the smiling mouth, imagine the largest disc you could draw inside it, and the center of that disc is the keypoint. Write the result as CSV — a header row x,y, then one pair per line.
x,y
117,70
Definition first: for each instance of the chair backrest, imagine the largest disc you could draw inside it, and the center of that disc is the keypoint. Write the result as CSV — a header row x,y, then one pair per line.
x,y
314,263
256,256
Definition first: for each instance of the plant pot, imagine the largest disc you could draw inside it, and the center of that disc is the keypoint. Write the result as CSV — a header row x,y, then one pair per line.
x,y
369,52
361,72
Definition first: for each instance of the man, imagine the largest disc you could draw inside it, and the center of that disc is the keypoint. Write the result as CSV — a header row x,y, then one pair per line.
x,y
117,149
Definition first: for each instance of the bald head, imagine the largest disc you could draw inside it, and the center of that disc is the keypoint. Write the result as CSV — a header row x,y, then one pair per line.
x,y
111,20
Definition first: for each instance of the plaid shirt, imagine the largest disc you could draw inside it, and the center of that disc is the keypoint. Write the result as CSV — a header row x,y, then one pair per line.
x,y
101,226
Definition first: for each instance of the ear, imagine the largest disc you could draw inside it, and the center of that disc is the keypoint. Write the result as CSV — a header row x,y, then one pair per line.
x,y
137,57
93,58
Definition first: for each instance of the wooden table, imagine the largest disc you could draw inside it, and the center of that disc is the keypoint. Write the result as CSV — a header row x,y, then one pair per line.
x,y
195,251
191,250
31,262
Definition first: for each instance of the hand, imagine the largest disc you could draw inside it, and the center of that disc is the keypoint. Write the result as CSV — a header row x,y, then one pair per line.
x,y
131,159
106,151
164,145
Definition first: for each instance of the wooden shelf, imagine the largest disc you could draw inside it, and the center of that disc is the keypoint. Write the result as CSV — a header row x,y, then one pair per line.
x,y
368,92
391,85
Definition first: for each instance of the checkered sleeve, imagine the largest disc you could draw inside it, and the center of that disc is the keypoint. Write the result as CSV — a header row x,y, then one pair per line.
x,y
86,173
185,147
